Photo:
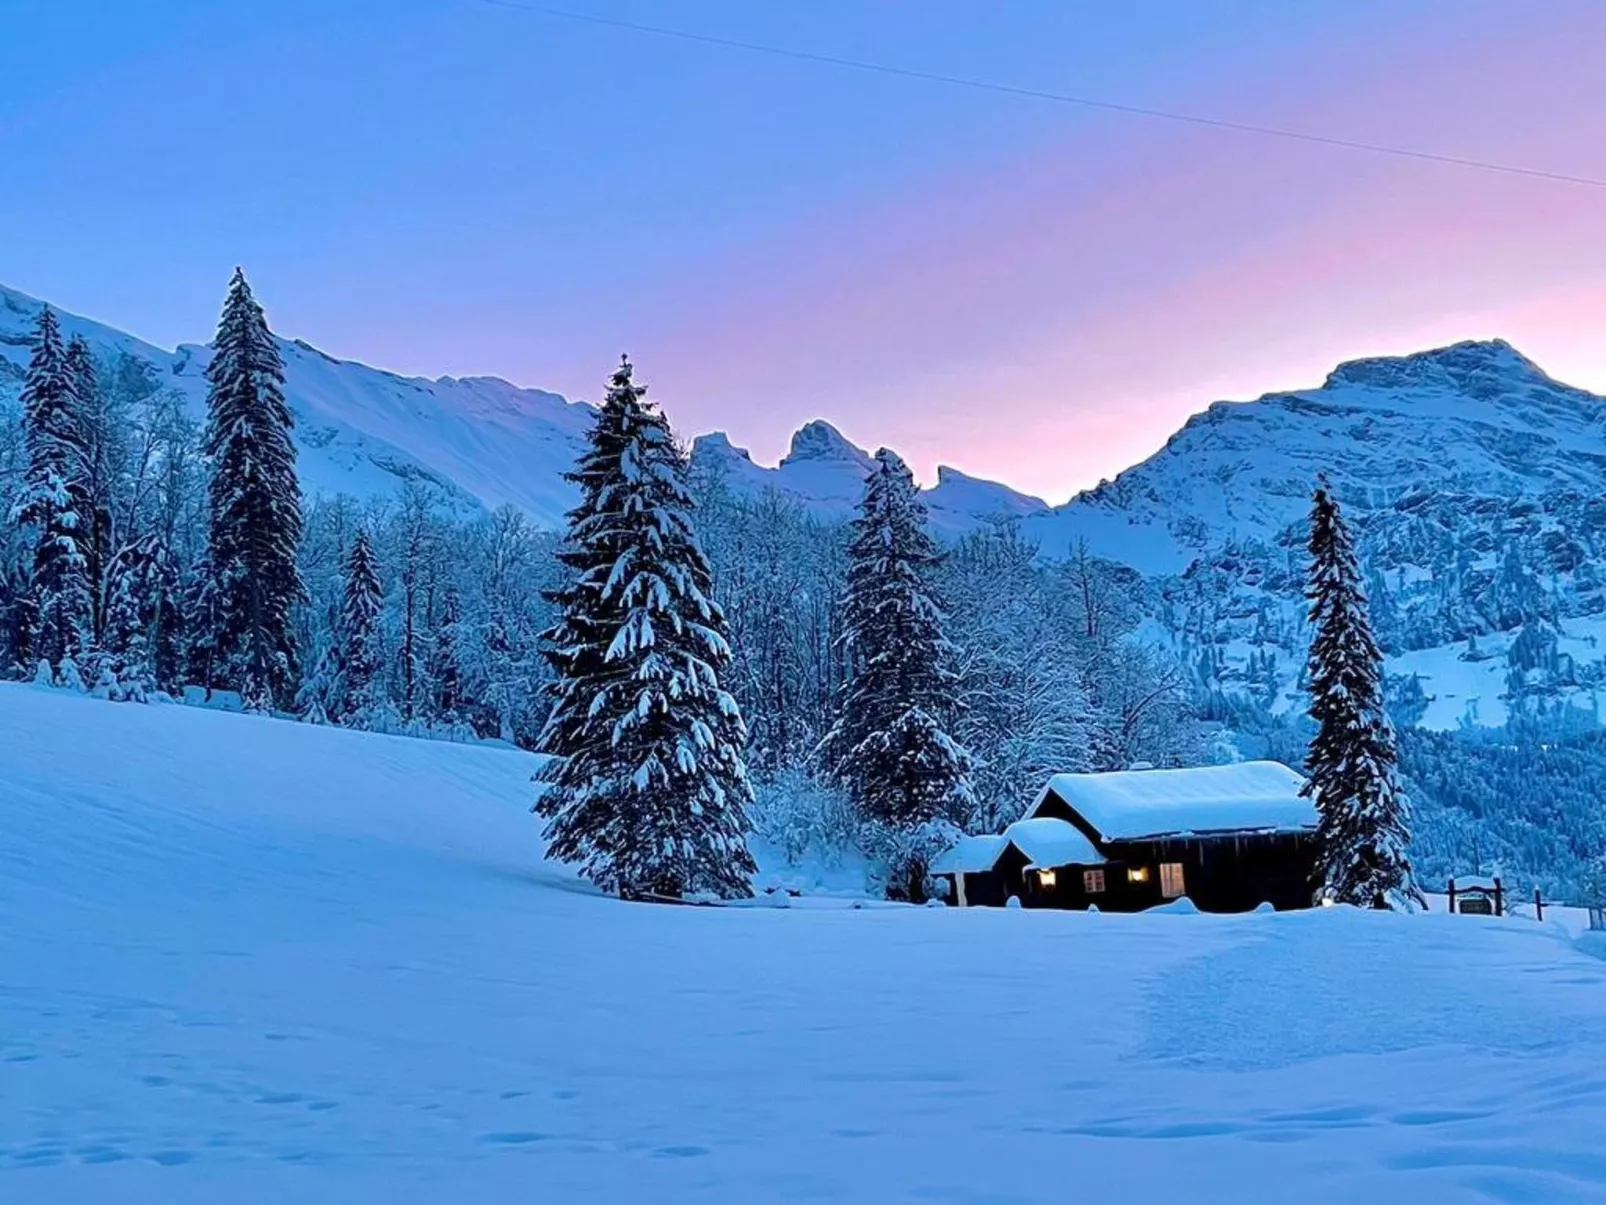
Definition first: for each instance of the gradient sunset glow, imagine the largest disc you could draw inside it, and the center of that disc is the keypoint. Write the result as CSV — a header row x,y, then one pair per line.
x,y
1030,292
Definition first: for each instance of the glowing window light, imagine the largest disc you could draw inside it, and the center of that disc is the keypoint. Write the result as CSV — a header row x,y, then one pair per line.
x,y
1138,874
1045,879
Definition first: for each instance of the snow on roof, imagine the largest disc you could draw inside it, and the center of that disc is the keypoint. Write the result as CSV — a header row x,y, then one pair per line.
x,y
1044,840
972,855
1254,796
1047,842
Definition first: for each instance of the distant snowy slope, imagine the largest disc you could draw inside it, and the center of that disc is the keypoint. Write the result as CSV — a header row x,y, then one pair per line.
x,y
1475,484
1473,420
250,961
362,431
482,441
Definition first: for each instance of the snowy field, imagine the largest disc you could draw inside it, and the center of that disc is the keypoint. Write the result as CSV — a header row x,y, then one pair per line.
x,y
244,960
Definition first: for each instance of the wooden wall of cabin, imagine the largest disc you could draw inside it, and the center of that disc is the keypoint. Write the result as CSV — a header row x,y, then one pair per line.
x,y
1221,874
1232,873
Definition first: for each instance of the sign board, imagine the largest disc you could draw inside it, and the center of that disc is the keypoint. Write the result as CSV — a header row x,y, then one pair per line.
x,y
1475,905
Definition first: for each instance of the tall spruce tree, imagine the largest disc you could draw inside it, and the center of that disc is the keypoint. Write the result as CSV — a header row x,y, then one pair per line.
x,y
361,659
1364,816
255,509
52,503
646,787
890,746
92,491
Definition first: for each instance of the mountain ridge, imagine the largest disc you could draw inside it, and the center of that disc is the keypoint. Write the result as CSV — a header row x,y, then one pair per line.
x,y
1476,484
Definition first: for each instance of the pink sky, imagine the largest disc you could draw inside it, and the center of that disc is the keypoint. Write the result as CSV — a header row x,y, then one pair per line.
x,y
1036,293
1050,319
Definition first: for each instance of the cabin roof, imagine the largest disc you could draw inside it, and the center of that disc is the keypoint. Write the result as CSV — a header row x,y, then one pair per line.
x,y
1048,842
971,855
1255,796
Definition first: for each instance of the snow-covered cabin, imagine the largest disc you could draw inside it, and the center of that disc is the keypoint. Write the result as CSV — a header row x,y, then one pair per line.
x,y
1228,837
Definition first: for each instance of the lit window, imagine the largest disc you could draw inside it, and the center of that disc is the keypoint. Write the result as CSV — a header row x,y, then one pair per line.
x,y
1092,881
1138,874
1171,885
1045,879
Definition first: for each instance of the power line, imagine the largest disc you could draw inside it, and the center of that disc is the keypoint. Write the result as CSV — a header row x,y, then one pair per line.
x,y
1064,98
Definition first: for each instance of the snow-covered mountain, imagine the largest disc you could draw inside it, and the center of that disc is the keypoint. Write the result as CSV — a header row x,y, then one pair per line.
x,y
825,472
362,431
1472,420
1477,482
481,441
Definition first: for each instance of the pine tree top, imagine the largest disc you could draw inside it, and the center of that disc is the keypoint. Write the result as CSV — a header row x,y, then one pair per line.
x,y
363,589
44,374
244,350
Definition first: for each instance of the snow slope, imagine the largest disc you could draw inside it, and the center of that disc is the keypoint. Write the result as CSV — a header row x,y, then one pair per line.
x,y
252,961
362,431
484,442
1474,419
1474,483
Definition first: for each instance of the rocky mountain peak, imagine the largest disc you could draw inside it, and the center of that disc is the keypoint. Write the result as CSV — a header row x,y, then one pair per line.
x,y
819,440
1479,368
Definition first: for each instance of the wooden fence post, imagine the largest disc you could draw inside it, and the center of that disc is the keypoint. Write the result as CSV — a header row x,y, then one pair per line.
x,y
1539,906
1452,897
1499,897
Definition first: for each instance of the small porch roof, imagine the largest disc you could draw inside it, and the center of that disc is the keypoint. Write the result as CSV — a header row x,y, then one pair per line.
x,y
1045,842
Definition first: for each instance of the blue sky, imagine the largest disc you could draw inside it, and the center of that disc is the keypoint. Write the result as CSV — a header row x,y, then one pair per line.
x,y
456,186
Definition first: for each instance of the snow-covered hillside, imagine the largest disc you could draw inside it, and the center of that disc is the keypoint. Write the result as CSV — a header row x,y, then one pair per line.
x,y
480,440
1476,420
1476,484
253,961
361,431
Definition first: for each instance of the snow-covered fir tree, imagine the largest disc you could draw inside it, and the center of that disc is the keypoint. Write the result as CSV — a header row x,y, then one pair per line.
x,y
135,583
361,656
255,509
52,504
646,787
445,665
891,746
93,488
1364,816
